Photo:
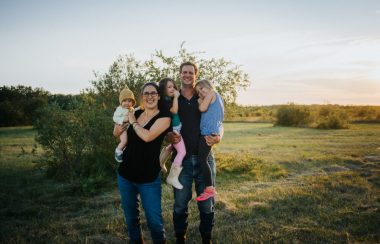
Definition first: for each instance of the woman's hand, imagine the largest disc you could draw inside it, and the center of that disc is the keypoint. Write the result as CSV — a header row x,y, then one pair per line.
x,y
118,129
131,117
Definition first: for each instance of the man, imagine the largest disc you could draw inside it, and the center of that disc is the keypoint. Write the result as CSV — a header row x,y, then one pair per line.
x,y
190,118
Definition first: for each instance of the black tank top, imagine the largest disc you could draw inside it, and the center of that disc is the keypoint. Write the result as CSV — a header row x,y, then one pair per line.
x,y
141,162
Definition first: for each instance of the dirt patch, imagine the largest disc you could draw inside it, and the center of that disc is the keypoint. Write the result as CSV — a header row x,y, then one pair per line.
x,y
372,159
103,239
335,169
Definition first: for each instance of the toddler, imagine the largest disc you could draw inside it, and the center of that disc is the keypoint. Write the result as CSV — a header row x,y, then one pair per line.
x,y
120,116
169,96
212,108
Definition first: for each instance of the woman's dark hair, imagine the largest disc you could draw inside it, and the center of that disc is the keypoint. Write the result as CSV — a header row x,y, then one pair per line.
x,y
151,83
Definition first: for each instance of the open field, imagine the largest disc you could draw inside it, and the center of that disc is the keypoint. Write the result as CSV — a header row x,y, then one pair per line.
x,y
275,184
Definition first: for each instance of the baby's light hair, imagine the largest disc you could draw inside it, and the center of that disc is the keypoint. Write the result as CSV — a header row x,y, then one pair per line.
x,y
205,83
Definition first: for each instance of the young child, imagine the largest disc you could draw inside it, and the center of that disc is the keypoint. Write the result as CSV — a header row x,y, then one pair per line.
x,y
169,95
212,108
120,116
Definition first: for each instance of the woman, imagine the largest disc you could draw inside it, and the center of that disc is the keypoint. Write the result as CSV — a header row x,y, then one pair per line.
x,y
139,173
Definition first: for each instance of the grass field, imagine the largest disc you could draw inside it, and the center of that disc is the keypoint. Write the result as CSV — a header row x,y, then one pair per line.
x,y
275,184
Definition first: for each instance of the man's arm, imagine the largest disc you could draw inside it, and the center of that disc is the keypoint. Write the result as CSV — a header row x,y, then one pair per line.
x,y
172,138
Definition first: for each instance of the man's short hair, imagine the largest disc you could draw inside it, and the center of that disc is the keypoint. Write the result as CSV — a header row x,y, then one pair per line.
x,y
191,64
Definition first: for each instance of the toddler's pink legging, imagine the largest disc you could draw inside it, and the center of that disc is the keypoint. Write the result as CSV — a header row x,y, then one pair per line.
x,y
181,152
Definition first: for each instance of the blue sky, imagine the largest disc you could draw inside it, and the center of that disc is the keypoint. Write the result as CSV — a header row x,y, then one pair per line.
x,y
301,51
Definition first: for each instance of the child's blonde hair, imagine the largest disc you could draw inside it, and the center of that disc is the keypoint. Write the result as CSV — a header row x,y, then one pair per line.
x,y
205,83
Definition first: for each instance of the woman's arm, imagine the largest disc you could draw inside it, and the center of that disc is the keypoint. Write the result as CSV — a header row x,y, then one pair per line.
x,y
203,104
159,126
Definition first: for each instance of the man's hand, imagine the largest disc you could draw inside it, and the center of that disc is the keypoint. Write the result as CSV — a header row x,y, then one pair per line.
x,y
118,129
212,140
173,138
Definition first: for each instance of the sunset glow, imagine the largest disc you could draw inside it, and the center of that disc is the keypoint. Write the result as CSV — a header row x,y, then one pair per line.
x,y
294,51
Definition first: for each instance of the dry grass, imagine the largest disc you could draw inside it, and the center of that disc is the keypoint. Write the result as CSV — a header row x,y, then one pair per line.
x,y
275,184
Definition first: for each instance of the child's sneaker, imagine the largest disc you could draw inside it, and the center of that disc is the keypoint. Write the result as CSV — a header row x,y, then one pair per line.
x,y
119,156
207,193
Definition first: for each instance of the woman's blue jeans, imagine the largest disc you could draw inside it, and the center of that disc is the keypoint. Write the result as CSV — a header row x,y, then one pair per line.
x,y
150,195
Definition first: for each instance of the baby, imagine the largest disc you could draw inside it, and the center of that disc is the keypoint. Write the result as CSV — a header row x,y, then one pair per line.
x,y
120,116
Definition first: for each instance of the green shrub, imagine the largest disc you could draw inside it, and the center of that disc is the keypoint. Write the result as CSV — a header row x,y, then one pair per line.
x,y
293,115
78,143
332,118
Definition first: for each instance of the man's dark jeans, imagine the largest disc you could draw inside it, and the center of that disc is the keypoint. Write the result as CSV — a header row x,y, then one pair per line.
x,y
192,172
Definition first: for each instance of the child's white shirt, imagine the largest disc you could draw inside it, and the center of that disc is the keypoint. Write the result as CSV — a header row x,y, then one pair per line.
x,y
119,115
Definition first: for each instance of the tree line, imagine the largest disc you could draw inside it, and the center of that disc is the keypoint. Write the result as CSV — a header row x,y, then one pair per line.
x,y
21,105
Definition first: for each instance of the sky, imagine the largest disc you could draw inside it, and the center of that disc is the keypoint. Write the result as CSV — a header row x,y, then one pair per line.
x,y
301,51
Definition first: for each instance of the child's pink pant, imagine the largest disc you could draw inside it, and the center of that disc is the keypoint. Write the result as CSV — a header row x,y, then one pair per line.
x,y
181,152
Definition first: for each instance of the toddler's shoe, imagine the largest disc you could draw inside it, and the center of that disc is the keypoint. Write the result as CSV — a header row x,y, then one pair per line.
x,y
207,193
119,156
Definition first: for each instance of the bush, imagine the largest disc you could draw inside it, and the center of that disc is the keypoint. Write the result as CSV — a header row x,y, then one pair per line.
x,y
293,115
332,118
78,143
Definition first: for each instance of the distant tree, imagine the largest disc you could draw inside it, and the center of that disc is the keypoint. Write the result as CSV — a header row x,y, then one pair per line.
x,y
332,117
294,115
227,77
19,105
66,102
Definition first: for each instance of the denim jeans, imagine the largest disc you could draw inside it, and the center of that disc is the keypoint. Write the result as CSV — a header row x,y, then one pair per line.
x,y
192,172
150,195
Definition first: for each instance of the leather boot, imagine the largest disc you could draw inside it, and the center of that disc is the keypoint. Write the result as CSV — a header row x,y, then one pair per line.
x,y
180,238
172,178
206,241
139,241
